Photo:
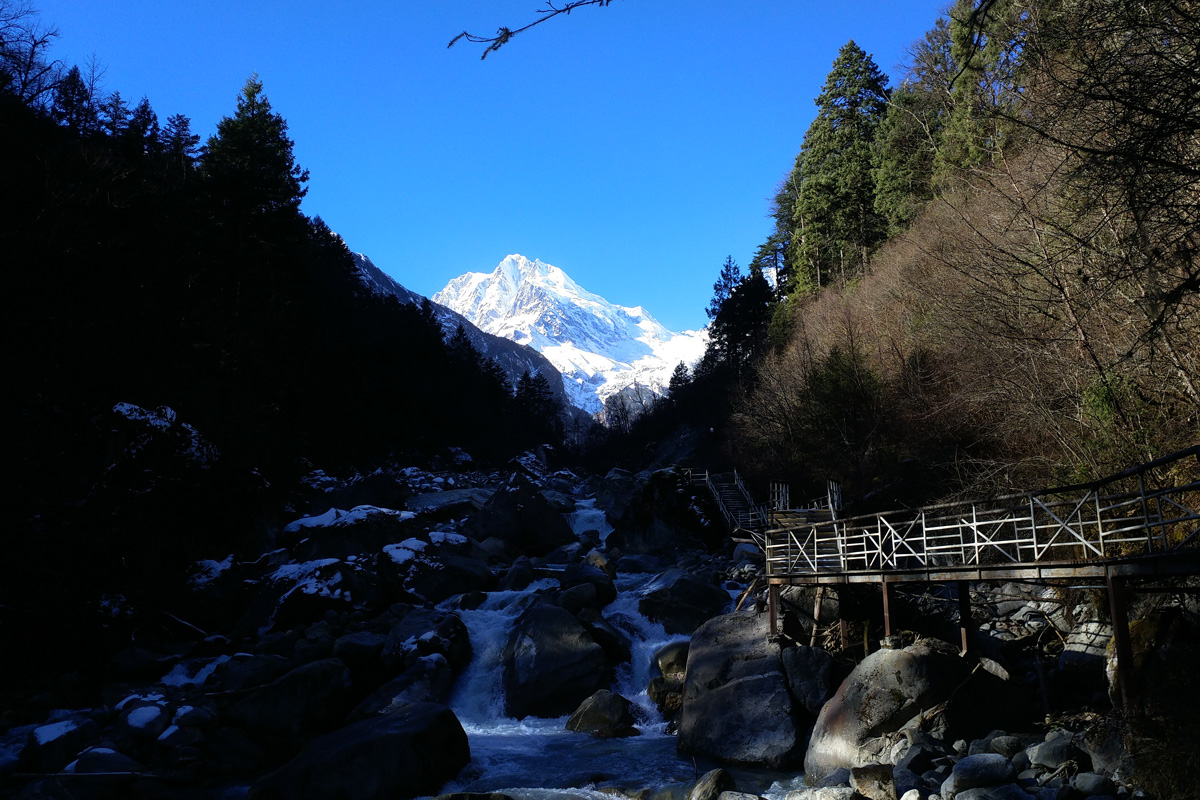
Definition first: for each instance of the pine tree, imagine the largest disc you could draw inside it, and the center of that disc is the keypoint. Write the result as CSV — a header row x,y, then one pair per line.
x,y
771,260
534,400
74,106
738,334
114,115
249,161
727,281
179,143
462,352
908,138
143,134
680,378
986,43
776,254
834,224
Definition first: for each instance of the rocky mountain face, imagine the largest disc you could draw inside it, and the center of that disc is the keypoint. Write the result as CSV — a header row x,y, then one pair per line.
x,y
599,347
513,357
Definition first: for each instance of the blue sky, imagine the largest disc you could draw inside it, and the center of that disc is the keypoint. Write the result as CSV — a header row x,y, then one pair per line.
x,y
633,146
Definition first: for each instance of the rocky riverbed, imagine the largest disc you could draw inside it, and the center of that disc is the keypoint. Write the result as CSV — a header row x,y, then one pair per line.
x,y
527,631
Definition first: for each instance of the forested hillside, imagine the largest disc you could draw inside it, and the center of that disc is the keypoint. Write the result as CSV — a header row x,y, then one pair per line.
x,y
987,273
155,284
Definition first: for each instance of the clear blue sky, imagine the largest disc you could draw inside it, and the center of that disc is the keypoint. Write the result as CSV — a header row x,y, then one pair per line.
x,y
633,146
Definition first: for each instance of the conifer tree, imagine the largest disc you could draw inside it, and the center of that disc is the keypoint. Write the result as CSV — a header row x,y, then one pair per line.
x,y
142,133
179,143
535,401
680,378
249,160
462,352
985,45
834,223
908,138
738,334
114,115
727,281
74,106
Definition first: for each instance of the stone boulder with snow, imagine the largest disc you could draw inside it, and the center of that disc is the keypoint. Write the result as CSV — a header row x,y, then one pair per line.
x,y
424,572
339,534
522,517
419,632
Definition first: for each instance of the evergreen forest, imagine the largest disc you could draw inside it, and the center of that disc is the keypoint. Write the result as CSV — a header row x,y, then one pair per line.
x,y
155,274
981,277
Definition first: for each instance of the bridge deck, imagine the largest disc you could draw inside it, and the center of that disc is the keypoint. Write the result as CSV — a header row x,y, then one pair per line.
x,y
1143,521
1178,564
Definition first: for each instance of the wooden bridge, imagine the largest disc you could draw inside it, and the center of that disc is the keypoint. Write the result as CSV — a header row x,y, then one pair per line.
x,y
1139,524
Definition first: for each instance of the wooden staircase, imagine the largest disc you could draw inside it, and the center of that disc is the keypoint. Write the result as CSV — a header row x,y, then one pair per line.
x,y
735,502
746,520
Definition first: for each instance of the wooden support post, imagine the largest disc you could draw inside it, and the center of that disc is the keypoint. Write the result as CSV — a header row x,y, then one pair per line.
x,y
966,625
844,631
773,607
817,615
889,600
1120,625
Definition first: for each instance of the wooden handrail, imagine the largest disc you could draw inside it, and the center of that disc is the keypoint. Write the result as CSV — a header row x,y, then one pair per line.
x,y
1027,528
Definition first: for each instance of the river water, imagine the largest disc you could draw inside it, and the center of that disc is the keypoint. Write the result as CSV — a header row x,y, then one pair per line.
x,y
538,759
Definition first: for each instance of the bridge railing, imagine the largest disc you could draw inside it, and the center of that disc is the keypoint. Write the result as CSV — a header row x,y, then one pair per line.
x,y
1140,511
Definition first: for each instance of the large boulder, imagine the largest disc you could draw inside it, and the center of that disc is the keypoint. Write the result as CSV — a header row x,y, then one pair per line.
x,y
605,715
736,704
886,690
405,754
453,503
519,515
429,680
294,707
420,632
615,492
419,571
580,574
983,769
51,747
810,676
551,664
682,602
339,534
379,488
660,518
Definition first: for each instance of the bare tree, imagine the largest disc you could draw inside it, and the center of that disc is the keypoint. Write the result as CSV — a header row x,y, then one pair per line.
x,y
25,69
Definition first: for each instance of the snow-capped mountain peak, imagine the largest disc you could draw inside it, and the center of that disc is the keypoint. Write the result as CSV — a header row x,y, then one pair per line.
x,y
599,347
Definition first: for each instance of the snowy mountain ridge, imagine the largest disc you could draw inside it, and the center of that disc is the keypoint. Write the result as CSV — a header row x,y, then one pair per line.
x,y
511,357
599,347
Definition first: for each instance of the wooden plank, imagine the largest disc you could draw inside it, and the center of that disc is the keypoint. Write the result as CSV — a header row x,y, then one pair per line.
x,y
888,602
966,624
773,607
1120,624
817,615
